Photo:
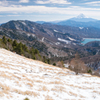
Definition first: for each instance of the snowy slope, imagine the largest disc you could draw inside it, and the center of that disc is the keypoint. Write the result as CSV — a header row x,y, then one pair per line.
x,y
21,77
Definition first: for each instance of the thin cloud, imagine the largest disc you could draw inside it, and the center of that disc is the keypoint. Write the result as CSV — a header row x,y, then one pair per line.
x,y
13,15
95,3
4,3
48,10
53,2
24,1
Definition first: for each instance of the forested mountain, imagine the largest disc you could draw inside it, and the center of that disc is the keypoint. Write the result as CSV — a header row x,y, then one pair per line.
x,y
56,42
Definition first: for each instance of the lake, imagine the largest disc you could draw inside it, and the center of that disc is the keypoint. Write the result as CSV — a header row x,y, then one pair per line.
x,y
86,40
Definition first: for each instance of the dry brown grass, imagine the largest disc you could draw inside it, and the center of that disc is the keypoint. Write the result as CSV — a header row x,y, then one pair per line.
x,y
54,89
58,89
18,91
57,78
29,80
5,89
48,68
81,96
42,77
56,82
73,94
51,82
86,82
30,84
18,83
62,73
62,89
7,64
30,93
0,62
80,87
39,81
2,74
1,94
23,75
43,88
98,92
48,98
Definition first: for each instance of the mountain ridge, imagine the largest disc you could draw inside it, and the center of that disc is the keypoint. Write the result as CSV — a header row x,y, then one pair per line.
x,y
56,42
79,21
82,18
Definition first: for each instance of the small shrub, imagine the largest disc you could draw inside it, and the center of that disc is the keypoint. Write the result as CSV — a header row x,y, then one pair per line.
x,y
26,99
89,71
54,64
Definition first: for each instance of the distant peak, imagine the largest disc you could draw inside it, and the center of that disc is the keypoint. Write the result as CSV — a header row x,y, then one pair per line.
x,y
81,16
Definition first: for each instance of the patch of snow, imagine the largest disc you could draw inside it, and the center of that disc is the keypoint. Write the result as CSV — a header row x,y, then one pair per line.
x,y
81,28
31,35
57,43
81,16
71,39
43,39
66,65
74,43
23,23
21,77
63,40
33,28
56,31
28,35
65,46
17,27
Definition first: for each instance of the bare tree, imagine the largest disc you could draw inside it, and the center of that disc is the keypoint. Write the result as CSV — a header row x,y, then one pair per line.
x,y
60,64
77,65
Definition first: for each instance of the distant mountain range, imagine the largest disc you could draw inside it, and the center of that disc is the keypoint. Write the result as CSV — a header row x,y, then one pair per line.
x,y
59,42
82,18
47,39
79,21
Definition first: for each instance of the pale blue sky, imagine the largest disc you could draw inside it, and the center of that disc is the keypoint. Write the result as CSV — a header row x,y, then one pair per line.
x,y
47,10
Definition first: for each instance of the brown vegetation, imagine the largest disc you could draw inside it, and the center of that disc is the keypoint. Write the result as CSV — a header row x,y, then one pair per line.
x,y
77,65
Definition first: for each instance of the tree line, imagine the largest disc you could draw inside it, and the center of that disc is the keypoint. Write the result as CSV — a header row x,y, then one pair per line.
x,y
22,49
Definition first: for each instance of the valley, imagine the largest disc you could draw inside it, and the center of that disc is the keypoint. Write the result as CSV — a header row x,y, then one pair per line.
x,y
86,40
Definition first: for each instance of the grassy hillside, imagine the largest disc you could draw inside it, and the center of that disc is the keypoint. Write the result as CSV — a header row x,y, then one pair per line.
x,y
22,78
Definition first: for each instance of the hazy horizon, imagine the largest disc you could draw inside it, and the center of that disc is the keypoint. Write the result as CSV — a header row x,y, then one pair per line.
x,y
47,10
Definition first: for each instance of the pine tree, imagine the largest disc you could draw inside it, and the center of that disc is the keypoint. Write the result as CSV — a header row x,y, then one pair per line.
x,y
48,61
36,51
4,40
54,64
14,44
9,40
19,49
25,48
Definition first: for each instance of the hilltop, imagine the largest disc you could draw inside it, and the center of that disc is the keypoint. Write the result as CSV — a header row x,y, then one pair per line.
x,y
21,77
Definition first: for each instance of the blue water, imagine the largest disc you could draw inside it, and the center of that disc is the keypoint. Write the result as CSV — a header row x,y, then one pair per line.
x,y
86,40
